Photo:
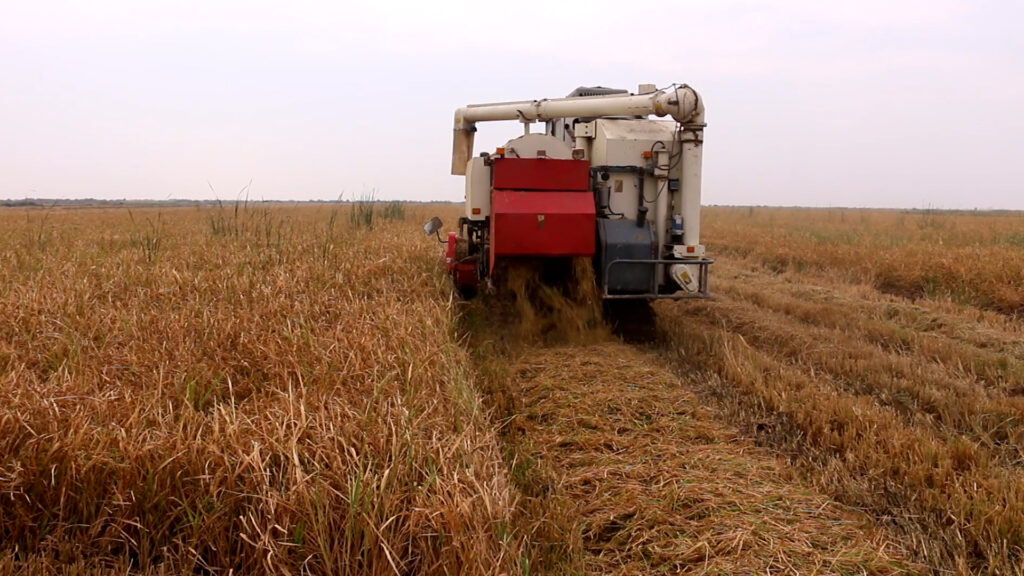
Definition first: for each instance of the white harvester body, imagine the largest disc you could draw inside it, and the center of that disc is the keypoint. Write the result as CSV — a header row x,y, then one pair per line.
x,y
642,177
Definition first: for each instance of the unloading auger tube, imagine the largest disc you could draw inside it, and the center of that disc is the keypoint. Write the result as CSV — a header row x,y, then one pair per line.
x,y
604,180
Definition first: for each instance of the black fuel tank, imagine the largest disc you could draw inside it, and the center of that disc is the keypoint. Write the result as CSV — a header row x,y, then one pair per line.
x,y
624,240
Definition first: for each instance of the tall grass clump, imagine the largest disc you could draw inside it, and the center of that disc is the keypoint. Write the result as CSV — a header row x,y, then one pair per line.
x,y
362,211
233,408
393,210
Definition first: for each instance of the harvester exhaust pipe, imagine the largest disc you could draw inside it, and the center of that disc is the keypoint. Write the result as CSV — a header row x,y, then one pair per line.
x,y
641,216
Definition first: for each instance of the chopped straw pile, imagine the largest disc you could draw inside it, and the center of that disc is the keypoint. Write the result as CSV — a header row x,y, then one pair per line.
x,y
659,485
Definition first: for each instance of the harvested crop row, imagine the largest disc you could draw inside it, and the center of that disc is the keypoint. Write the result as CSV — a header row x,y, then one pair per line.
x,y
960,341
246,390
923,392
800,385
655,483
623,469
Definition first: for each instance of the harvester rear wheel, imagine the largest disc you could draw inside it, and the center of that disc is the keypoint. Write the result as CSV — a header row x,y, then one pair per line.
x,y
632,320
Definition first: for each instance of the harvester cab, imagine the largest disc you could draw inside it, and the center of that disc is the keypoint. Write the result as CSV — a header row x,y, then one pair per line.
x,y
602,181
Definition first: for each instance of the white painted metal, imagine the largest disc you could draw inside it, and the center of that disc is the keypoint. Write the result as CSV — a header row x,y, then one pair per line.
x,y
584,145
661,225
622,142
622,196
462,150
584,134
530,145
685,275
585,129
680,251
690,185
662,162
619,143
478,189
682,103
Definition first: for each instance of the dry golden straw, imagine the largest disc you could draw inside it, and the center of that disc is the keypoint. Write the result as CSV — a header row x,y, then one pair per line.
x,y
248,389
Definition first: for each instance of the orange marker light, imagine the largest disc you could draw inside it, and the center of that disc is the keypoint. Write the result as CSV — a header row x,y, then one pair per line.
x,y
646,154
476,210
500,151
690,249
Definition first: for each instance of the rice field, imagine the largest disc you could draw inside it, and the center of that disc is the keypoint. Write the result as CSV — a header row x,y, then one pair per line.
x,y
266,389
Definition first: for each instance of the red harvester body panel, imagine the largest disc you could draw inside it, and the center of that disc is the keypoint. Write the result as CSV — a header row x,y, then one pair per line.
x,y
525,223
541,207
462,271
540,174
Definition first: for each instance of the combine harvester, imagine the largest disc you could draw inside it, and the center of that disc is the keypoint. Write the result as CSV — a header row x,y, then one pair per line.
x,y
603,181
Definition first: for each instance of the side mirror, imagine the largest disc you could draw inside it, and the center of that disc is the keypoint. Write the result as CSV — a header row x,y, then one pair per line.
x,y
432,226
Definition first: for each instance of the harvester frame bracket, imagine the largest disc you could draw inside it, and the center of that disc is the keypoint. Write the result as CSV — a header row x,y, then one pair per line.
x,y
702,281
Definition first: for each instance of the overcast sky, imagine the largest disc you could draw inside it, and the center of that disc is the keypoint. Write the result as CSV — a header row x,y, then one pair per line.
x,y
869,103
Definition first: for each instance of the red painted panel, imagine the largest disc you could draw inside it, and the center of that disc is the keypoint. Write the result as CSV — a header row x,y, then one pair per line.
x,y
525,223
540,174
